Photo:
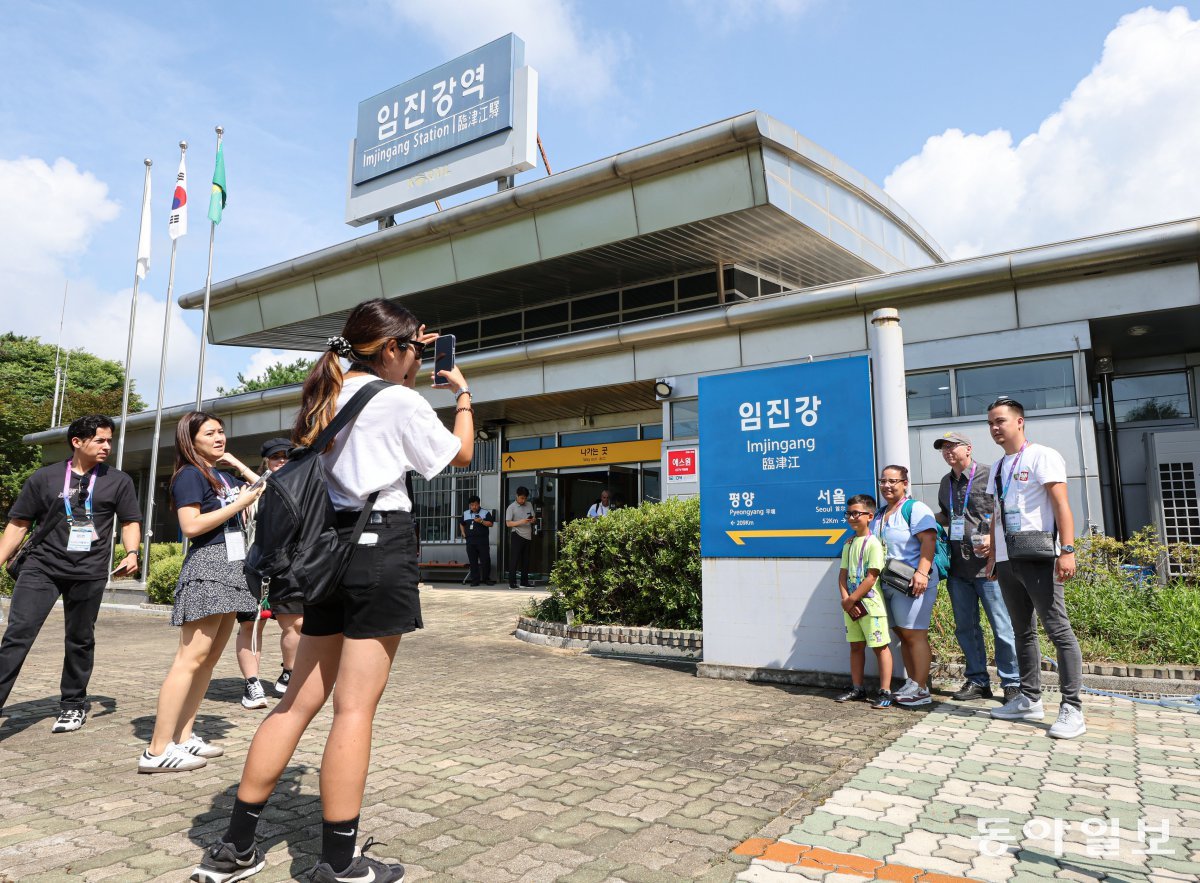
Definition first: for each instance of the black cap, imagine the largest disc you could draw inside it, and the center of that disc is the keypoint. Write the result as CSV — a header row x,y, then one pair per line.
x,y
274,446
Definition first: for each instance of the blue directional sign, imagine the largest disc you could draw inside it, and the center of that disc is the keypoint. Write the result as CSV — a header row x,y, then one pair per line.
x,y
784,448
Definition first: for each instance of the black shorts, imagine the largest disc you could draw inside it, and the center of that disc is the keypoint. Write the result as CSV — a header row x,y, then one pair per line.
x,y
291,601
291,606
378,594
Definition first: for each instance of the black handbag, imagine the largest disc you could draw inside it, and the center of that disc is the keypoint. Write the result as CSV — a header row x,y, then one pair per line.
x,y
898,575
1026,545
17,561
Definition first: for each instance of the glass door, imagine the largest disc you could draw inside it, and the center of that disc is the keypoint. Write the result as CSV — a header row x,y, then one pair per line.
x,y
545,531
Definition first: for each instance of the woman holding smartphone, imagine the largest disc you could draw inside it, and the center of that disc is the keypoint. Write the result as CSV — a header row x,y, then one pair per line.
x,y
211,589
351,639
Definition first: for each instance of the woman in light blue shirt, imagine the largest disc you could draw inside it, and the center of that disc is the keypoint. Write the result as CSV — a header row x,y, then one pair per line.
x,y
909,532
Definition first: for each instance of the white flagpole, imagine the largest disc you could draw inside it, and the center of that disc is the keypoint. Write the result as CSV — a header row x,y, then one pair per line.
x,y
162,378
57,351
138,273
212,231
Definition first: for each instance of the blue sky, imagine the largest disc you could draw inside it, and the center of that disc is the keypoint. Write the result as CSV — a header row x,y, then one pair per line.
x,y
995,125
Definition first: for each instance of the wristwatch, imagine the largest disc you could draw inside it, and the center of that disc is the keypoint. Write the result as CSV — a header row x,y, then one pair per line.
x,y
1067,550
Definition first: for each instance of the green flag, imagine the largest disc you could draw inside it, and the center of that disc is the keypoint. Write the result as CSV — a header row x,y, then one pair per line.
x,y
216,202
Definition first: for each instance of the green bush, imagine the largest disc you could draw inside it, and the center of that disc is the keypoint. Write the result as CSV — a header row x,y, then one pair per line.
x,y
637,567
164,573
1116,617
160,553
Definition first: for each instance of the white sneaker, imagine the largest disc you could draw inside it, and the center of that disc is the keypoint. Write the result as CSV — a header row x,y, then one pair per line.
x,y
1020,709
69,720
172,760
1069,724
910,687
197,746
253,696
912,700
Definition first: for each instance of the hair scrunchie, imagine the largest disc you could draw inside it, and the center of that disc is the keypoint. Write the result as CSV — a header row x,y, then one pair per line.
x,y
341,346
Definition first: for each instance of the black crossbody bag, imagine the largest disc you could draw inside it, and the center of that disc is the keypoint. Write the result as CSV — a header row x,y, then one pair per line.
x,y
17,561
1025,545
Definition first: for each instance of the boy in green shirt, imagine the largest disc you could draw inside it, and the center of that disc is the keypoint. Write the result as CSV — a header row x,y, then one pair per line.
x,y
862,560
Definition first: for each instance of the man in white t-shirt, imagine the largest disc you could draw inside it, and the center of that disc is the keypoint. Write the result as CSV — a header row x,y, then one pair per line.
x,y
599,508
1030,486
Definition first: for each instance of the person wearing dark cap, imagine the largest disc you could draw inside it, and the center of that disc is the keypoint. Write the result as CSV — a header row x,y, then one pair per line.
x,y
283,604
966,511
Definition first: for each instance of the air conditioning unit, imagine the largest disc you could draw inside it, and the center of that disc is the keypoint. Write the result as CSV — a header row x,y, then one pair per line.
x,y
1173,483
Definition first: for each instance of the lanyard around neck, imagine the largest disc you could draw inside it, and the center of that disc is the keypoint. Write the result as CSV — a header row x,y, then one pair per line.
x,y
967,495
87,503
1011,472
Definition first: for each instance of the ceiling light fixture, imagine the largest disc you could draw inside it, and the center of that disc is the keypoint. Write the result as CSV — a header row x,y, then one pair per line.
x,y
1138,330
662,388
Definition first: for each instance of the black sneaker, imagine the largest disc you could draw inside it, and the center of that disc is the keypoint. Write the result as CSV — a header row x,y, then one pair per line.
x,y
489,582
883,700
253,696
363,868
854,694
528,586
971,690
69,720
1011,693
512,585
223,864
281,685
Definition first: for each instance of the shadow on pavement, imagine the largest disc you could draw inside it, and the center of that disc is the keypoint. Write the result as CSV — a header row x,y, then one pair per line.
x,y
23,715
302,828
210,727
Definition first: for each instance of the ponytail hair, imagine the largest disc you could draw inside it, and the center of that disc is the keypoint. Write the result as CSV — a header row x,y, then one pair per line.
x,y
186,431
368,328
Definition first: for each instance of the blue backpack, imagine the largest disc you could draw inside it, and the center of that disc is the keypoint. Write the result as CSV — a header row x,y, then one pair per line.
x,y
941,555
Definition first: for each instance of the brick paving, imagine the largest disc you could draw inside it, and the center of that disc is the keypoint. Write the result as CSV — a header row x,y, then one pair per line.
x,y
494,760
500,761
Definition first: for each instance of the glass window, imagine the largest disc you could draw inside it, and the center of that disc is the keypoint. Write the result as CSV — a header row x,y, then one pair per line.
x,y
1049,383
652,430
534,443
928,395
599,305
1151,397
651,484
692,286
497,325
685,419
648,295
437,504
555,314
599,436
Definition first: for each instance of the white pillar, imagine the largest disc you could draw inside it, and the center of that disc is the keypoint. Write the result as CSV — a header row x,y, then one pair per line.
x,y
889,388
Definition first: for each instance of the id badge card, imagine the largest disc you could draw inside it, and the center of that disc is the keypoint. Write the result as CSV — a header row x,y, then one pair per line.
x,y
235,544
1012,521
958,528
81,536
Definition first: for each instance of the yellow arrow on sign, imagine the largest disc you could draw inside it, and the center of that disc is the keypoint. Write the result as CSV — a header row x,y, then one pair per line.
x,y
740,536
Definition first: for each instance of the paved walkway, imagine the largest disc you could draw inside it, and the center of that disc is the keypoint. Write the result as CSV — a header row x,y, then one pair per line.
x,y
499,761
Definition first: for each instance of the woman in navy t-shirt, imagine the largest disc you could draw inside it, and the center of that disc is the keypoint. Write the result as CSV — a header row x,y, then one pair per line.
x,y
211,589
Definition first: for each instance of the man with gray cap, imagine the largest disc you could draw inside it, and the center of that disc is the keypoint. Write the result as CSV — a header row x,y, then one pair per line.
x,y
966,511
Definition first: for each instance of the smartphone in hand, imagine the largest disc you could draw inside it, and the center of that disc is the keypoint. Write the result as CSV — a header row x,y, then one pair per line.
x,y
443,358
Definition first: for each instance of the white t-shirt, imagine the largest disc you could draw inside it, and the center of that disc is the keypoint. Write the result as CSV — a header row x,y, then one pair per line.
x,y
396,431
1027,495
598,510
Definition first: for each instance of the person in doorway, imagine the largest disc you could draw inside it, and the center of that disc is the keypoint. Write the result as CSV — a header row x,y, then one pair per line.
x,y
600,508
966,511
909,533
211,588
351,639
863,608
520,519
73,506
474,527
283,603
1029,484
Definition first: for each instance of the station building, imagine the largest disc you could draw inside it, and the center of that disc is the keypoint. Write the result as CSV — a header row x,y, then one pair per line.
x,y
588,303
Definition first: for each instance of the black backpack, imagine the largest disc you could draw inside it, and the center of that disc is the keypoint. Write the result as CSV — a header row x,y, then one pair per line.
x,y
296,534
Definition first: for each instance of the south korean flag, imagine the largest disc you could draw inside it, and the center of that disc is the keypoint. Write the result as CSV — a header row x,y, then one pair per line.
x,y
177,224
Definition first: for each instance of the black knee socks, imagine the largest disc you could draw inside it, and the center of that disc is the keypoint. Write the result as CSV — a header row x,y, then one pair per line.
x,y
337,843
243,823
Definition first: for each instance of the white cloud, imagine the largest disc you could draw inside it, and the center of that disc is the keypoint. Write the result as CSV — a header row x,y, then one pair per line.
x,y
1119,152
570,58
48,217
731,15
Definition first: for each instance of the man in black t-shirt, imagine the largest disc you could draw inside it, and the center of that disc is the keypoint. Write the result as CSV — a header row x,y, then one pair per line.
x,y
71,505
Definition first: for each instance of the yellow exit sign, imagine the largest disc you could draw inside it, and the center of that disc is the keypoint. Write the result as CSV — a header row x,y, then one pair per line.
x,y
582,455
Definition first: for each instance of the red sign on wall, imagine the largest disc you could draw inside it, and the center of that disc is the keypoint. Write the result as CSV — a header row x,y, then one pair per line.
x,y
683,465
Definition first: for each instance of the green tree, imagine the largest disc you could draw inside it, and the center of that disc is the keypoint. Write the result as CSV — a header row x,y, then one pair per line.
x,y
94,386
278,374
